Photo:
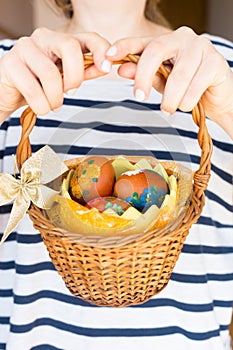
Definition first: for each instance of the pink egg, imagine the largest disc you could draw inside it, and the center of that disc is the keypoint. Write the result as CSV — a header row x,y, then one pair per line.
x,y
103,203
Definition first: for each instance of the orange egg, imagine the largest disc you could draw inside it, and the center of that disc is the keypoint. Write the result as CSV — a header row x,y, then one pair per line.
x,y
94,177
141,188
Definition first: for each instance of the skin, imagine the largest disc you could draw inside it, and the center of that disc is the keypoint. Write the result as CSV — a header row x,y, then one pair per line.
x,y
29,72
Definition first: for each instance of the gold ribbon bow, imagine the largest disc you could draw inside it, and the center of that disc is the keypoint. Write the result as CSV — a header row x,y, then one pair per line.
x,y
37,171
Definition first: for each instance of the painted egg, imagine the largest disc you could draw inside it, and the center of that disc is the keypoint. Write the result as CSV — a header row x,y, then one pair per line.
x,y
94,177
104,203
141,188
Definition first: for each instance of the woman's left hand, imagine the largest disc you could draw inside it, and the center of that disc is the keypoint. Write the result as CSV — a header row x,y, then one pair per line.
x,y
199,72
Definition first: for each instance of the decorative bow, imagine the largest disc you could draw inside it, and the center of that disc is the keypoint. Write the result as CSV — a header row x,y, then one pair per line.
x,y
40,169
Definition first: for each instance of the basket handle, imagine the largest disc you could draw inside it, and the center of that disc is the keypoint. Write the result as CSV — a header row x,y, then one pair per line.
x,y
201,176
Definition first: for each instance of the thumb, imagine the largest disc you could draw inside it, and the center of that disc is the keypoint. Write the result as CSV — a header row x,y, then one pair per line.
x,y
127,70
92,73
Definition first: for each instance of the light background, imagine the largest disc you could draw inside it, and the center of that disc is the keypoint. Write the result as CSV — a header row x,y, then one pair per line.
x,y
20,17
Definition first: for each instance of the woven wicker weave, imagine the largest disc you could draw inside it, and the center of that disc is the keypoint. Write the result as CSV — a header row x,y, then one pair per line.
x,y
120,271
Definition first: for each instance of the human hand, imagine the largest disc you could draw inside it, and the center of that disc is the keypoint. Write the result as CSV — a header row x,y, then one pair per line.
x,y
198,72
29,72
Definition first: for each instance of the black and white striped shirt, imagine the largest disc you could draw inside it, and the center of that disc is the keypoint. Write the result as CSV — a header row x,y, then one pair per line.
x,y
193,312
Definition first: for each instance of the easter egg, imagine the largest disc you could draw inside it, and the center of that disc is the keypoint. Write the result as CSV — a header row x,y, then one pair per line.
x,y
104,203
94,177
141,188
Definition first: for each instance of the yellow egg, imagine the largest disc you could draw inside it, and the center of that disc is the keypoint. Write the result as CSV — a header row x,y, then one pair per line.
x,y
94,177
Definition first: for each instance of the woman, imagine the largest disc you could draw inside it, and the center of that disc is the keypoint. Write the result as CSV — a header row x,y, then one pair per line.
x,y
194,310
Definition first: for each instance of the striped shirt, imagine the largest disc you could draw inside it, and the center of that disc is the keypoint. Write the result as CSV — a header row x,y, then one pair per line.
x,y
37,312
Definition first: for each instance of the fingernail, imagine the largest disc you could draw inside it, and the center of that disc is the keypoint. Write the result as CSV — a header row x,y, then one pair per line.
x,y
106,66
71,92
111,51
139,95
165,113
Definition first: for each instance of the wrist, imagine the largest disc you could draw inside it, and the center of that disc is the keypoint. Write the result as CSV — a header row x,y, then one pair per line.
x,y
226,123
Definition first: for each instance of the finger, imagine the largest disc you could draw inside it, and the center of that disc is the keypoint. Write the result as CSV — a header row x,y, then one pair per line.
x,y
128,70
97,45
22,79
123,47
152,57
170,47
67,49
32,91
186,66
44,69
70,50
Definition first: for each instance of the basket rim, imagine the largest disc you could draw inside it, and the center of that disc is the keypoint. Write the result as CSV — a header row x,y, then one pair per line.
x,y
184,221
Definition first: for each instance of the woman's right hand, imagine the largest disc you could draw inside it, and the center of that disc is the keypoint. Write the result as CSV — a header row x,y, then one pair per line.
x,y
29,73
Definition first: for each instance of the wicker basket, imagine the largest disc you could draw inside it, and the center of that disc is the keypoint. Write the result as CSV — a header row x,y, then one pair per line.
x,y
121,271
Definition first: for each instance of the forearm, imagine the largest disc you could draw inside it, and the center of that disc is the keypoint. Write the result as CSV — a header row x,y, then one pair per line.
x,y
3,116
